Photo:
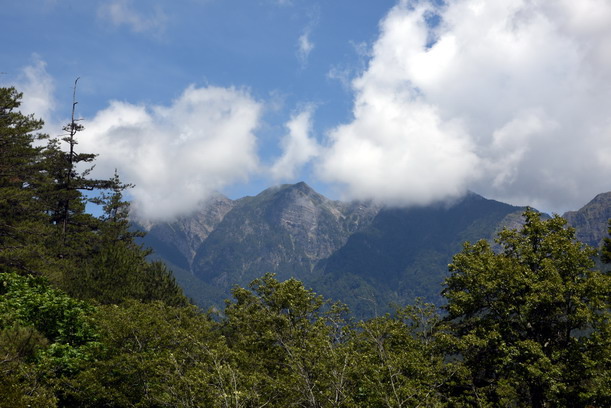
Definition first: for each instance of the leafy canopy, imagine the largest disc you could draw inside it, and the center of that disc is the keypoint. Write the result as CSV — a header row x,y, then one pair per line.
x,y
527,319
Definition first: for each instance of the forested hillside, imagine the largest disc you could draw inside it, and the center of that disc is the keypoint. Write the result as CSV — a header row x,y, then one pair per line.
x,y
87,321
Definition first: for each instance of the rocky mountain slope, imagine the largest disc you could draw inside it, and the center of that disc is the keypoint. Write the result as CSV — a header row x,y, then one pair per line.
x,y
285,230
404,253
358,253
179,240
590,222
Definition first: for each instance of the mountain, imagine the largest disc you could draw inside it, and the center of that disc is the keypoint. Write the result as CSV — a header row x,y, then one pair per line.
x,y
404,253
362,254
285,230
590,222
179,240
175,243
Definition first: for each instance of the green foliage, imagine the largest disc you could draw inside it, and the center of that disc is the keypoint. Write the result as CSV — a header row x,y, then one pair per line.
x,y
45,230
606,249
43,334
286,341
23,222
155,356
28,301
528,320
400,362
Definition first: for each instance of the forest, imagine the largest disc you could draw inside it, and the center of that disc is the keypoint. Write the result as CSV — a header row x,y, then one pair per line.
x,y
87,320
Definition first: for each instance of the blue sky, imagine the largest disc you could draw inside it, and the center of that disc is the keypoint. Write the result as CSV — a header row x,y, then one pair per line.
x,y
402,102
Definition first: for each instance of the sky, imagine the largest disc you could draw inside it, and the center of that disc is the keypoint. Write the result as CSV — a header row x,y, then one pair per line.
x,y
403,102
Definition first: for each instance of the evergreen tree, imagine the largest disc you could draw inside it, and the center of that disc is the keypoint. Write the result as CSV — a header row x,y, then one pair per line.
x,y
65,201
23,220
117,267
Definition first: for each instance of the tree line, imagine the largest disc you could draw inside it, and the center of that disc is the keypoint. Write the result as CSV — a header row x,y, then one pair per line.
x,y
86,320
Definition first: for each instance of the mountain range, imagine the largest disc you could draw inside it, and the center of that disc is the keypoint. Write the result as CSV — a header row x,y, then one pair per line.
x,y
362,254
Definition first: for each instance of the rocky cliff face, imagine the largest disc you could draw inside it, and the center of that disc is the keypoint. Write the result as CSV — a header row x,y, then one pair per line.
x,y
179,240
285,230
590,222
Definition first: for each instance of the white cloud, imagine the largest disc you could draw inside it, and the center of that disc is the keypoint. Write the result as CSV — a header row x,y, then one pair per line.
x,y
304,47
176,155
123,12
37,87
509,98
299,147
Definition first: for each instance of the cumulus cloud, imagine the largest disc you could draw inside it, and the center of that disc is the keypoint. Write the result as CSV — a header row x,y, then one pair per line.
x,y
38,88
176,155
509,98
299,147
123,12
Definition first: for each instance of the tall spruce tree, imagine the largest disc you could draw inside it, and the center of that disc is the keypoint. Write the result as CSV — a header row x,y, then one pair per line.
x,y
45,228
23,215
70,169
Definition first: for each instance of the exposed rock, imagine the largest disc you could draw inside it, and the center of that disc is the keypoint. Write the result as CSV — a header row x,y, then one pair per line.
x,y
285,230
590,222
179,240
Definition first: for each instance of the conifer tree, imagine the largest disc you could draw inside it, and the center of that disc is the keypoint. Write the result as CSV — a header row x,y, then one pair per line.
x,y
23,219
65,199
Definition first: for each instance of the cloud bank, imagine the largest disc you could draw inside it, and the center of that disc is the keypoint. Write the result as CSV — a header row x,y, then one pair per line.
x,y
509,98
176,155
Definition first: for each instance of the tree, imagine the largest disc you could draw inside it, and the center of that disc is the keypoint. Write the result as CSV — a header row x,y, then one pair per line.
x,y
44,228
287,349
64,198
23,220
398,359
606,250
532,321
154,355
44,335
116,267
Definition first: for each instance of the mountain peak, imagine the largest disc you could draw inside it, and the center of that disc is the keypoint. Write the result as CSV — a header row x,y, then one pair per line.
x,y
302,187
590,221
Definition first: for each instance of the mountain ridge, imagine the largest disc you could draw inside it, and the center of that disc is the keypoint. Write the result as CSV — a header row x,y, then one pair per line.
x,y
590,221
360,253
